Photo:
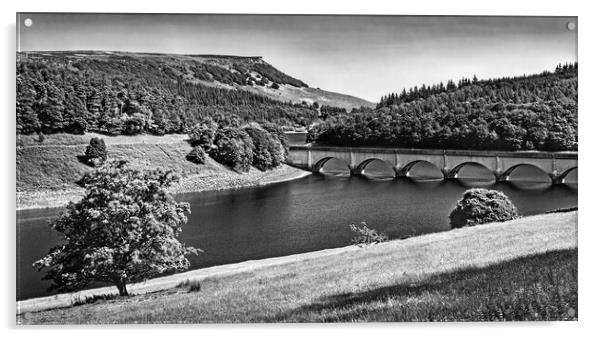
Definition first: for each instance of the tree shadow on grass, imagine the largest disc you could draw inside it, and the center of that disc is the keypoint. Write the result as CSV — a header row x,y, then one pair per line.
x,y
537,287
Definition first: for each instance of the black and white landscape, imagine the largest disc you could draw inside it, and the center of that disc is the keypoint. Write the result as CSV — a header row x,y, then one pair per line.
x,y
191,168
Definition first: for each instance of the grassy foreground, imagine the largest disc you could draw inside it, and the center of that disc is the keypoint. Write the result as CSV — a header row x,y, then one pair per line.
x,y
520,270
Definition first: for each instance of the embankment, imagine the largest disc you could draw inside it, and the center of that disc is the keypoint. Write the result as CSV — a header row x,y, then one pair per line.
x,y
46,171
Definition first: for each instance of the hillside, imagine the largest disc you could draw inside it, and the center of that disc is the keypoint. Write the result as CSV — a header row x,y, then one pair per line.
x,y
47,171
288,93
534,112
131,93
525,269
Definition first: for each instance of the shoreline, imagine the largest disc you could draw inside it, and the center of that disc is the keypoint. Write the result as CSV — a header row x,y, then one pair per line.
x,y
538,228
213,181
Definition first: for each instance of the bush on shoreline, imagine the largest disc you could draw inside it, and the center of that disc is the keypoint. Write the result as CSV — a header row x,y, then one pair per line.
x,y
366,236
479,206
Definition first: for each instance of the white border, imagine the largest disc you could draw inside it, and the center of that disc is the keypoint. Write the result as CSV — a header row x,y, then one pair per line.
x,y
590,110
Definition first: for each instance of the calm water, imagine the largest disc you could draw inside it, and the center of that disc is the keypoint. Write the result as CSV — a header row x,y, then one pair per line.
x,y
309,214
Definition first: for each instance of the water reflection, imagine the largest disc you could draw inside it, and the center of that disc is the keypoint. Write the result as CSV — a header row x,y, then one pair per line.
x,y
476,182
378,170
425,184
528,173
530,185
571,177
423,171
335,168
475,175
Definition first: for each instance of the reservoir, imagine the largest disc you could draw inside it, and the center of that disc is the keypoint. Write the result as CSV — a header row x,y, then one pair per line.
x,y
303,215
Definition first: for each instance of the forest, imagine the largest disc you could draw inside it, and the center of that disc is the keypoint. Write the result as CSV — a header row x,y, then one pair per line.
x,y
122,94
536,112
156,94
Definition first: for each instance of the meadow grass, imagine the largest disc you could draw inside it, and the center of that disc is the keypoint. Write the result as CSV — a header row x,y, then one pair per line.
x,y
537,287
525,269
47,171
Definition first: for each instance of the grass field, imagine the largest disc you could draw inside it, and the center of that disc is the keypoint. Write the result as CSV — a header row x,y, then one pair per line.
x,y
47,171
524,269
288,93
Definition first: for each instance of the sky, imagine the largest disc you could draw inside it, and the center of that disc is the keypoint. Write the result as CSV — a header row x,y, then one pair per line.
x,y
364,56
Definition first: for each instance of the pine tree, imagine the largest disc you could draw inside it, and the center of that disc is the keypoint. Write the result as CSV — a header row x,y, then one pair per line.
x,y
51,110
27,119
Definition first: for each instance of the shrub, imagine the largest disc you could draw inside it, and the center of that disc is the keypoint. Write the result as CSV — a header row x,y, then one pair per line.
x,y
196,155
96,152
234,148
76,125
203,134
112,126
479,206
83,299
365,235
134,125
191,285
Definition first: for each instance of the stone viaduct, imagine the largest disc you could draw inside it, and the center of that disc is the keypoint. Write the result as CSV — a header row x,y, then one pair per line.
x,y
501,163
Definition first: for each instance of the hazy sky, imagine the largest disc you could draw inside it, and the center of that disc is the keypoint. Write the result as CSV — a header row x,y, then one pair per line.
x,y
365,56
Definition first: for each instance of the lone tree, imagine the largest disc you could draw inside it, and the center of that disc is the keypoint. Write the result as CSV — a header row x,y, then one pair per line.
x,y
96,152
124,230
479,206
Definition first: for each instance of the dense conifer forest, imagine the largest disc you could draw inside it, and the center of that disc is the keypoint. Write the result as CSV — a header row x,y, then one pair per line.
x,y
157,94
537,112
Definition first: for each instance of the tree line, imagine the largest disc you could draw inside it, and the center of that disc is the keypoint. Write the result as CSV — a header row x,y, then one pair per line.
x,y
425,91
537,112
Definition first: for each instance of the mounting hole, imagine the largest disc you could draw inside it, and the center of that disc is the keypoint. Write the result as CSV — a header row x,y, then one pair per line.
x,y
571,26
28,22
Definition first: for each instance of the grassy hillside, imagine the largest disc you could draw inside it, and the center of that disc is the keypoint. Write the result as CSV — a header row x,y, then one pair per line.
x,y
525,269
54,164
310,95
47,171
